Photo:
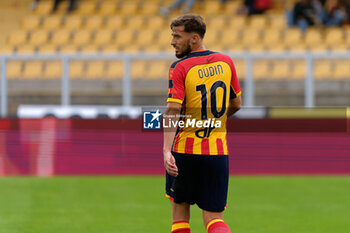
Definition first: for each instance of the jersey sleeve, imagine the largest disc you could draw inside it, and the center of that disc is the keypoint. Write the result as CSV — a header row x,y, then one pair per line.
x,y
176,92
235,89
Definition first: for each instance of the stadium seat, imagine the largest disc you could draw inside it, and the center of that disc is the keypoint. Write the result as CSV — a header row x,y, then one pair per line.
x,y
258,22
237,23
14,69
235,47
211,38
251,36
313,36
230,37
157,69
124,37
103,36
240,68
145,37
53,70
60,37
339,47
110,48
44,8
272,36
281,69
292,36
130,48
76,69
341,69
212,8
47,49
114,70
318,47
31,22
323,69
90,48
69,49
17,37
115,22
298,69
86,8
163,37
216,23
231,7
138,69
94,22
262,69
81,37
33,70
153,48
7,49
129,8
136,22
26,49
277,21
38,37
52,22
334,36
73,22
279,47
155,22
258,47
95,69
300,47
149,8
108,8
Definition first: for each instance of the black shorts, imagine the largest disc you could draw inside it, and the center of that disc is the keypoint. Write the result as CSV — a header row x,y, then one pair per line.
x,y
202,180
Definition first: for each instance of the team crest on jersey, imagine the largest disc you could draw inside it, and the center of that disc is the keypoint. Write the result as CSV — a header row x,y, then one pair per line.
x,y
151,119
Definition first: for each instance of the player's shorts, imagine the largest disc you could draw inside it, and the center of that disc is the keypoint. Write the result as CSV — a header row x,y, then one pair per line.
x,y
202,180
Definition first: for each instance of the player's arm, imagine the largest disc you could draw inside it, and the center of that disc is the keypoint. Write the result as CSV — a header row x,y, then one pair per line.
x,y
234,105
172,114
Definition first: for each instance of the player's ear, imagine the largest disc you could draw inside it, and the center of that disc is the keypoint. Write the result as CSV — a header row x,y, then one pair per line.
x,y
195,38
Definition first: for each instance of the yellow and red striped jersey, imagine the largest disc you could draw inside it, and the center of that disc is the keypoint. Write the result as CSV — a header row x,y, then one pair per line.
x,y
203,82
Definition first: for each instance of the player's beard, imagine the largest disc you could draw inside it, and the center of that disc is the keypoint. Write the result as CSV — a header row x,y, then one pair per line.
x,y
187,51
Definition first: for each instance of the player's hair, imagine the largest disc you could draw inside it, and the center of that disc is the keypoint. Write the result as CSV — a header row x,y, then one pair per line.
x,y
191,22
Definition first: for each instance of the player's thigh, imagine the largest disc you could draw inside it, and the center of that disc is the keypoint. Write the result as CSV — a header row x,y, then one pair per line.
x,y
180,212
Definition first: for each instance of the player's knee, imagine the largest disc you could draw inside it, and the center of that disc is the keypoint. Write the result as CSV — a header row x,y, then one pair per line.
x,y
209,216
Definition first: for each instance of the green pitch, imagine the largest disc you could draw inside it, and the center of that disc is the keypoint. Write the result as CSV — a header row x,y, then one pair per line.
x,y
137,205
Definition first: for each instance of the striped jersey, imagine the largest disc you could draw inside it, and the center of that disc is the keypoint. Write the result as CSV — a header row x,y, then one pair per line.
x,y
203,82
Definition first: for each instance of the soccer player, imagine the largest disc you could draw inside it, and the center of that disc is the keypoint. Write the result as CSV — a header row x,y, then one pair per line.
x,y
203,86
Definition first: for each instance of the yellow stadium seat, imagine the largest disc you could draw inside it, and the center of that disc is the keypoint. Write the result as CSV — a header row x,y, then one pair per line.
x,y
217,47
157,69
129,8
138,69
115,22
114,70
47,49
53,70
108,8
69,49
293,36
261,69
163,37
298,69
230,37
76,69
52,22
236,47
256,47
60,37
26,49
281,69
237,22
212,8
153,48
82,37
136,22
73,22
86,7
313,36
93,22
279,47
31,22
301,47
145,37
278,22
131,48
240,68
251,37
103,36
7,49
125,36
44,8
17,37
339,47
341,69
272,36
231,7
149,8
258,22
216,22
110,48
90,48
211,38
95,69
334,36
14,69
38,37
156,22
318,47
33,69
323,69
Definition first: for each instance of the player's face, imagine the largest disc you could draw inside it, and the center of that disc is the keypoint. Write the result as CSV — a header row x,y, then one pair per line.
x,y
181,41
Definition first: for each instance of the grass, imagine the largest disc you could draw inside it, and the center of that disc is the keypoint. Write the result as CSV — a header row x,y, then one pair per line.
x,y
137,205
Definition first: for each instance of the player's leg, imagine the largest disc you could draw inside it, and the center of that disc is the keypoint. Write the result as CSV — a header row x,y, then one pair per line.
x,y
213,222
181,217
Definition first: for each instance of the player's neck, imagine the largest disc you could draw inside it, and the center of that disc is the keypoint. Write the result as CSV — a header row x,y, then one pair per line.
x,y
198,48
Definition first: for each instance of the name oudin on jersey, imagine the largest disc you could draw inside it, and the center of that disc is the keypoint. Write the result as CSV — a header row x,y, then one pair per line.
x,y
210,71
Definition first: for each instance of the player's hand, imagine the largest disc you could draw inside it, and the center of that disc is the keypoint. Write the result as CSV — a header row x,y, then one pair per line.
x,y
170,164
